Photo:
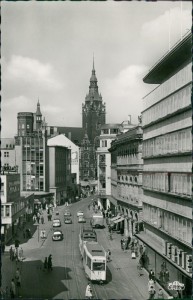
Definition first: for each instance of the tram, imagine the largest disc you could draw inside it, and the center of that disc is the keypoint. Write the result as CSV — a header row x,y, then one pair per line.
x,y
94,261
87,234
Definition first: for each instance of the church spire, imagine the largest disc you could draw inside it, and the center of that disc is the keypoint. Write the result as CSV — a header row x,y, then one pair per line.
x,y
38,112
93,64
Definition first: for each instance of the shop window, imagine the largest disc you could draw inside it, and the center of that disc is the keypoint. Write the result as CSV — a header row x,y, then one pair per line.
x,y
2,210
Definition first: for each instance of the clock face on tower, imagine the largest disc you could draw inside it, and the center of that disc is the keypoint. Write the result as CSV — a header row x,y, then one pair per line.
x,y
74,155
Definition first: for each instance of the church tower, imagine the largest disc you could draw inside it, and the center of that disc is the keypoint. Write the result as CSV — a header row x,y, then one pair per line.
x,y
38,117
93,116
93,110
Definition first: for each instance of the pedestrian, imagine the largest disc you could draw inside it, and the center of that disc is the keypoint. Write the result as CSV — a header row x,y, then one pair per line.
x,y
50,262
21,253
11,253
42,219
151,283
18,278
136,250
122,240
166,275
108,255
124,244
140,269
152,275
34,218
24,234
128,242
142,261
12,289
88,293
151,292
160,294
46,263
141,249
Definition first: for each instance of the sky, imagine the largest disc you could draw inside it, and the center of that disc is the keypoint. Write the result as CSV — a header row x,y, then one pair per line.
x,y
47,54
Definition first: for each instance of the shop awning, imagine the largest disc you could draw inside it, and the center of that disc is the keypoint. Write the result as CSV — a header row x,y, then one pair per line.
x,y
112,200
119,220
114,218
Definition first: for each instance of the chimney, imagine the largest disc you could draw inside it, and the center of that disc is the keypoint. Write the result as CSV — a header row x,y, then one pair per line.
x,y
129,119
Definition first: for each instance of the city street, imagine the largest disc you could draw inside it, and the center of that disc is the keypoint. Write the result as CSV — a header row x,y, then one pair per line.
x,y
67,280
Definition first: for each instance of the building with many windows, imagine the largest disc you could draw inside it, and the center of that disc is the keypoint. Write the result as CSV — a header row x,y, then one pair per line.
x,y
167,174
8,158
108,134
126,179
13,206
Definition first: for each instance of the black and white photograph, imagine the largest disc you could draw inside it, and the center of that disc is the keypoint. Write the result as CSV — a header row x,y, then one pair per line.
x,y
96,150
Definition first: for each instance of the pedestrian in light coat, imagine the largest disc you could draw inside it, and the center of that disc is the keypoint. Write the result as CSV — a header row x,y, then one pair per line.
x,y
88,293
12,289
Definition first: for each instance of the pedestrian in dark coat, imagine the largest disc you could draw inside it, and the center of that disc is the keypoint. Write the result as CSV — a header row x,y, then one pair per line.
x,y
11,253
151,275
42,219
50,262
122,240
128,242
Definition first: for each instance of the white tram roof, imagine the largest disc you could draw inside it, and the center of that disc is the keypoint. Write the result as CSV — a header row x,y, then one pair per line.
x,y
95,248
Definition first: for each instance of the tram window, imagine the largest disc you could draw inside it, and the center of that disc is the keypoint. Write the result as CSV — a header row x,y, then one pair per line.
x,y
88,262
97,266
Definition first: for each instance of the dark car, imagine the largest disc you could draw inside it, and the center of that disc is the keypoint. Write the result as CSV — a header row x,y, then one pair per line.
x,y
68,221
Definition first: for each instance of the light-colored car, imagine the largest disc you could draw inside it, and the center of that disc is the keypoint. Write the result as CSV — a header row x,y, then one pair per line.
x,y
67,213
81,219
80,213
68,221
56,223
57,235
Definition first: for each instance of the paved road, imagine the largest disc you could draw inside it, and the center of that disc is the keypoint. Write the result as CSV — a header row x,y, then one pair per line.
x,y
68,280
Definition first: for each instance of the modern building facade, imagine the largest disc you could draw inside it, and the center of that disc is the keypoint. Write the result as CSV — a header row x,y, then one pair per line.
x,y
59,173
167,174
126,179
107,135
32,156
93,116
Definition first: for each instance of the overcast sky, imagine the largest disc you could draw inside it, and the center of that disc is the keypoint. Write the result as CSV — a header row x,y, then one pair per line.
x,y
47,52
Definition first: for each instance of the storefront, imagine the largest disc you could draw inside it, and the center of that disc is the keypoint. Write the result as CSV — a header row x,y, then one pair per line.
x,y
166,272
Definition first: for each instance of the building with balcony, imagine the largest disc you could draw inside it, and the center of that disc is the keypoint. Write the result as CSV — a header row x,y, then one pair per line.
x,y
107,135
126,179
167,174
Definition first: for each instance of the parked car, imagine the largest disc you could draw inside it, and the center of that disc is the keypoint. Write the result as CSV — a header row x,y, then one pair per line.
x,y
80,213
67,213
68,221
81,219
57,235
56,223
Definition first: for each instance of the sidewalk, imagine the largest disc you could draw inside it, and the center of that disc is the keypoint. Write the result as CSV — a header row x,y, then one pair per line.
x,y
35,241
121,260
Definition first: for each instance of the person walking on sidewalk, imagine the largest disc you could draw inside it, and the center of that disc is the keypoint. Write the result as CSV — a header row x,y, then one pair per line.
x,y
42,219
21,253
12,289
88,293
151,292
152,275
11,254
50,262
108,255
18,278
160,294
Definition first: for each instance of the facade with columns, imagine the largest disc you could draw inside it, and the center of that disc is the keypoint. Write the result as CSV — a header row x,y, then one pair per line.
x,y
126,179
93,116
